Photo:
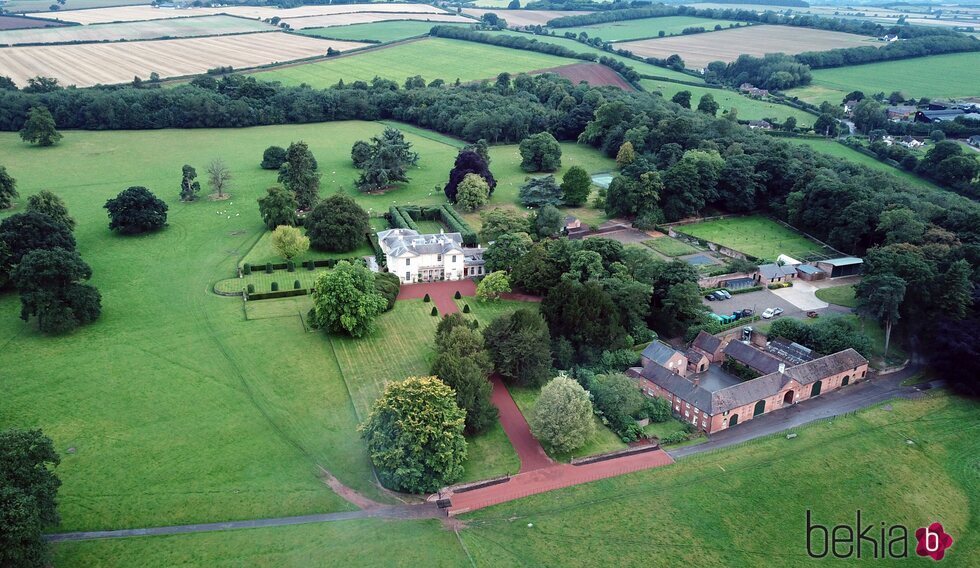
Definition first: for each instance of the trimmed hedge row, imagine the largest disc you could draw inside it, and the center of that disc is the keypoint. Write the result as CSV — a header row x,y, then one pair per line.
x,y
309,264
405,217
400,220
451,218
279,294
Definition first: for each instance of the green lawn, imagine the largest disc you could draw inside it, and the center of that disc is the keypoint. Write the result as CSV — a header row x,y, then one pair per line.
x,y
645,28
604,440
746,506
748,108
704,510
263,281
384,32
839,150
664,429
486,312
754,235
938,76
871,328
264,252
670,247
839,295
434,58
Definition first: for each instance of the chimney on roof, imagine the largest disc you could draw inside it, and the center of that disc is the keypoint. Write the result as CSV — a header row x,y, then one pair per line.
x,y
782,367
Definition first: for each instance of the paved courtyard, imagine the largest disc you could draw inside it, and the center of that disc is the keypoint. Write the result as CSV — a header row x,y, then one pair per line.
x,y
715,379
758,301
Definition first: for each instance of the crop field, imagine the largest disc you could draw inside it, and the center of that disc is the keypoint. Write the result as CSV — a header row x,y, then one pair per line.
x,y
700,49
44,5
179,27
646,27
383,32
594,74
369,17
748,108
641,67
146,12
108,63
520,18
841,151
16,23
938,76
434,58
753,235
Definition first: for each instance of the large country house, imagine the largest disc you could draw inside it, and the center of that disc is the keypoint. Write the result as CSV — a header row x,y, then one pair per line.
x,y
415,257
704,394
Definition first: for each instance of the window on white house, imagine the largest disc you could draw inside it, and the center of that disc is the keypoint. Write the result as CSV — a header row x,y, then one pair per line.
x,y
452,258
408,262
438,258
408,276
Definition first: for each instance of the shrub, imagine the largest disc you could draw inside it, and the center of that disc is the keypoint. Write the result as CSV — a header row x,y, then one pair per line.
x,y
290,266
457,295
246,269
426,298
658,409
273,158
434,312
268,268
387,284
274,287
337,224
466,308
310,265
562,415
135,211
251,288
296,285
778,285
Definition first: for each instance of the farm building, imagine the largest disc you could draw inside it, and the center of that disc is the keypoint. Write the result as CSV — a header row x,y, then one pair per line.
x,y
711,400
809,273
900,112
943,115
838,267
760,124
771,273
429,258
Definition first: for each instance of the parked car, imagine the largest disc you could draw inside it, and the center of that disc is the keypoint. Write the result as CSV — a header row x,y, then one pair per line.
x,y
710,297
812,315
777,312
724,294
770,313
747,312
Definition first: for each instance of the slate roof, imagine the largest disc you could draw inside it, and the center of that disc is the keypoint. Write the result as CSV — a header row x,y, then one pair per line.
x,y
807,269
408,242
677,385
748,392
770,271
694,356
750,356
706,342
659,352
823,367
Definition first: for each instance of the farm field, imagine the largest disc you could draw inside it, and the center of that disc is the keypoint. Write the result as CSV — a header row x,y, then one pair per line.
x,y
44,6
13,23
646,27
91,64
519,18
431,58
939,76
383,32
179,27
748,108
841,151
594,74
369,17
147,12
641,67
700,49
753,235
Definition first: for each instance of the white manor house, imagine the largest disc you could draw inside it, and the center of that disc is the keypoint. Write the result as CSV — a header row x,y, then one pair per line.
x,y
415,257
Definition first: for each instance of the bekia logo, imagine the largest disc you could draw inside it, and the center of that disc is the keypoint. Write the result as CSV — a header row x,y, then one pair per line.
x,y
933,541
877,540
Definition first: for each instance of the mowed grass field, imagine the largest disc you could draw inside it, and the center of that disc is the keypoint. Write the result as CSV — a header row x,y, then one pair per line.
x,y
939,76
700,49
178,27
217,417
748,108
434,58
834,148
646,27
753,235
384,32
107,63
703,510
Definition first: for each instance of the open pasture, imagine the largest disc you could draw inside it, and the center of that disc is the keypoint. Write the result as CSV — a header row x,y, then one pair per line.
x,y
754,235
19,23
152,29
647,27
89,64
834,148
146,12
383,32
20,6
700,49
748,108
520,18
434,58
368,17
938,76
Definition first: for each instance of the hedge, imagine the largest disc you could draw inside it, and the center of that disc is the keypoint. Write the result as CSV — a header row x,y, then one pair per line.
x,y
405,217
311,264
280,294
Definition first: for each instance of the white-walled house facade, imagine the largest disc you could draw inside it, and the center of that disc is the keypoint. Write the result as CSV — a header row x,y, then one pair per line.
x,y
415,257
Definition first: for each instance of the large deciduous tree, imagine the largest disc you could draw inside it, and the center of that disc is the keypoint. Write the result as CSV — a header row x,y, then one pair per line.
x,y
47,203
50,286
575,186
414,435
469,161
299,175
518,344
345,300
39,128
548,221
585,316
135,210
219,177
540,153
28,493
880,297
499,221
337,224
504,253
463,364
562,415
472,193
289,241
391,156
278,207
25,232
8,189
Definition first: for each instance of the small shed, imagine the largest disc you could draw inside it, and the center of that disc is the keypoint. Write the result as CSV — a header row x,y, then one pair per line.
x,y
839,267
810,273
